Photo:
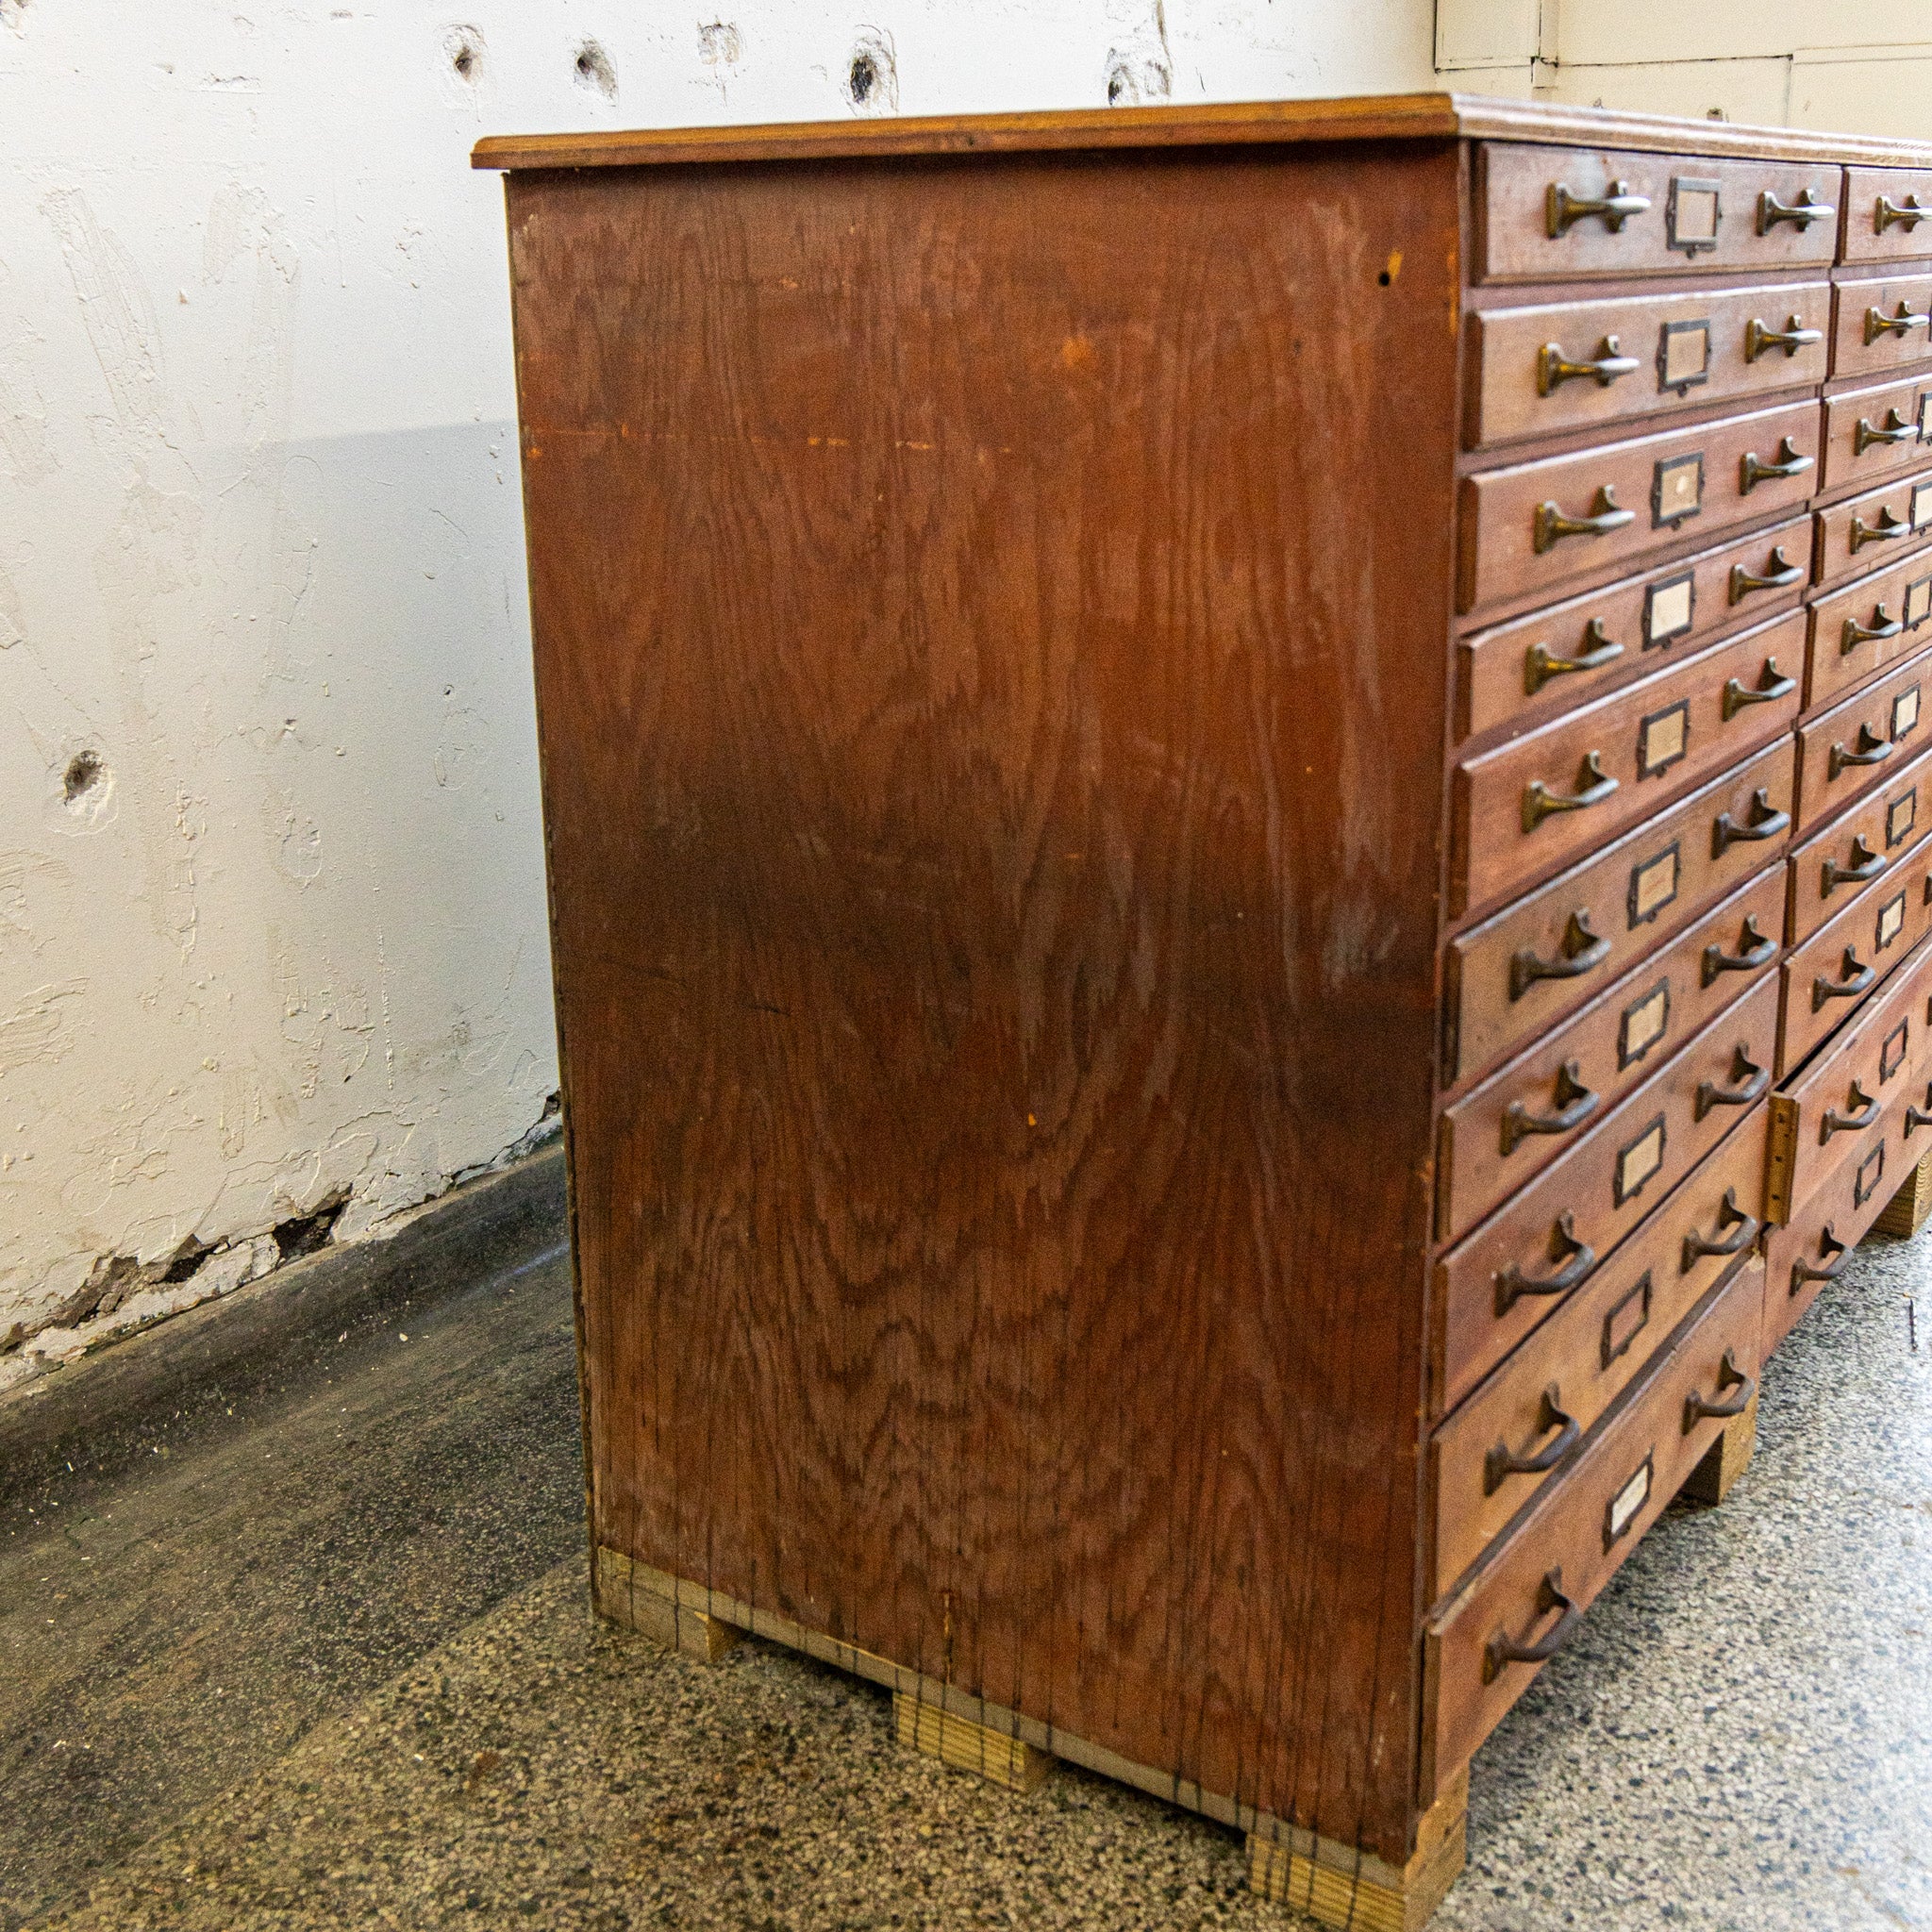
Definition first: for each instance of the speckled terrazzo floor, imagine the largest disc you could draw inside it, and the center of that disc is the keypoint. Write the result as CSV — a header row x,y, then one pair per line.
x,y
1740,1736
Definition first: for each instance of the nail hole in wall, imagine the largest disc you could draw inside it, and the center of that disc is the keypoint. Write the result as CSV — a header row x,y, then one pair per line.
x,y
872,73
463,46
593,70
85,771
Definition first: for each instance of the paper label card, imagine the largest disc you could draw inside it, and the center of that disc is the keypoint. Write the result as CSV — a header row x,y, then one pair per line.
x,y
1628,1501
1653,886
1637,1162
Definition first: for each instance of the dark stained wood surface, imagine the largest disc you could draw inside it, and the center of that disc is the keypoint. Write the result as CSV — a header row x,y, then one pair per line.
x,y
1840,657
1422,117
1860,740
1855,948
992,760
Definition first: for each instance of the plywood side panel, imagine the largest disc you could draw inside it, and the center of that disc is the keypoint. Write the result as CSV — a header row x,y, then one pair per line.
x,y
991,632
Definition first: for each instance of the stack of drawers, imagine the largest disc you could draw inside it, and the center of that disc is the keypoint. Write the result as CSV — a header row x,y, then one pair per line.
x,y
1687,1031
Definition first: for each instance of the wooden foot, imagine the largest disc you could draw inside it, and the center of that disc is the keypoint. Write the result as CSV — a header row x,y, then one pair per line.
x,y
1725,1460
621,1597
1906,1213
1339,1887
996,1756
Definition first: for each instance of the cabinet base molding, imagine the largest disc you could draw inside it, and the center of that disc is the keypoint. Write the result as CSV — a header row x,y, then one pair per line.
x,y
1315,1874
1906,1213
1725,1460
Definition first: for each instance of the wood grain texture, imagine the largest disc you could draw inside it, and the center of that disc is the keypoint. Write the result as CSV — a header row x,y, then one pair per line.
x,y
967,940
1421,117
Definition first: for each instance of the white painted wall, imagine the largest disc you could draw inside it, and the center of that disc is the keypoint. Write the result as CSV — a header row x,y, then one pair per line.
x,y
261,597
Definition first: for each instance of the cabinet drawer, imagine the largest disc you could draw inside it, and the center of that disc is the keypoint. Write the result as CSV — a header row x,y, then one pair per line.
x,y
1697,214
1828,869
1863,627
1555,1564
1517,973
1526,529
1866,531
1498,1283
1503,1134
1827,1116
1552,1391
1826,982
1512,674
1554,792
1834,1218
1565,365
1870,433
1845,751
1882,220
1879,324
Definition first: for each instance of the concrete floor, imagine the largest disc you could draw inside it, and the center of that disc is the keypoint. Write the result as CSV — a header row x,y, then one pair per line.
x,y
324,1661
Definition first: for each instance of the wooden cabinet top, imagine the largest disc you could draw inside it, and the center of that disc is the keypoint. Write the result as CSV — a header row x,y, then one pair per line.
x,y
1365,117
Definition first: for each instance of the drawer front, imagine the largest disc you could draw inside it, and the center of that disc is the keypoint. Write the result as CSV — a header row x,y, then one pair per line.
x,y
1549,1239
1566,365
1547,797
1698,214
1526,529
1867,625
1867,531
1827,1117
1826,982
1546,1397
1518,973
1814,1249
1515,673
1880,323
1883,221
1869,841
1507,1131
1847,750
1557,1563
1872,434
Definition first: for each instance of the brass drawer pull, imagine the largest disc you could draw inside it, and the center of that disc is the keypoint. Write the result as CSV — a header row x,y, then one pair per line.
x,y
1504,1649
1574,1102
1801,212
1864,1112
1828,1244
1757,951
1879,324
1512,1284
1593,783
1884,624
1790,338
1582,950
1888,528
1873,750
1766,822
1916,1116
1502,1462
1561,209
1852,979
1896,429
1752,1078
1791,462
1729,1376
1553,370
1781,575
1551,525
1729,1214
1539,667
1866,864
1772,685
1907,214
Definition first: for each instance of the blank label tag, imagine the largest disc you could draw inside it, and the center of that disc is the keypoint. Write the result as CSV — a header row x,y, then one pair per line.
x,y
1905,713
1891,921
1627,1503
1644,1022
1641,1159
1891,1054
1668,607
1653,886
1918,602
1901,815
1677,489
1663,738
1922,506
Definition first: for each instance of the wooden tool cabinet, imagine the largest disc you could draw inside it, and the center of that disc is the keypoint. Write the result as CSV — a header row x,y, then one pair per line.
x,y
1236,804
